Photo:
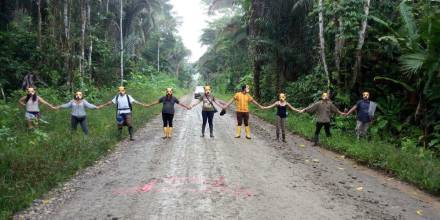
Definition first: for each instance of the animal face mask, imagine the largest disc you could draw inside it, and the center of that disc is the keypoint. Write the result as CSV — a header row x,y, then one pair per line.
x,y
365,95
78,95
324,96
169,91
31,91
207,89
282,97
121,90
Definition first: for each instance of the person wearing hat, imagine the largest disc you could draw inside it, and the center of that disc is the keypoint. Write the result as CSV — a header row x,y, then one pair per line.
x,y
208,110
323,111
365,113
242,100
32,103
78,115
282,106
124,110
168,102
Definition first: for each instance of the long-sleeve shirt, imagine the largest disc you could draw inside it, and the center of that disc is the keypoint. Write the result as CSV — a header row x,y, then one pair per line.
x,y
323,110
78,109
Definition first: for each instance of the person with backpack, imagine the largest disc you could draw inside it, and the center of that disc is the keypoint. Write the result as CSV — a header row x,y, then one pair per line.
x,y
282,113
323,111
31,101
168,102
208,110
365,114
78,115
124,110
242,100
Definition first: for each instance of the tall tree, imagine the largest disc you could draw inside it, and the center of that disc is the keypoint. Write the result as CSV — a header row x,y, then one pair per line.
x,y
362,32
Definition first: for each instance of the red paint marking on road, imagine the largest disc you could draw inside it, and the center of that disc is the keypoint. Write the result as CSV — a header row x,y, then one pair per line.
x,y
147,187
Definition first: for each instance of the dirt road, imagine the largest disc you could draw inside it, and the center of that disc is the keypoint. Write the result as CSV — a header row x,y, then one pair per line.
x,y
189,177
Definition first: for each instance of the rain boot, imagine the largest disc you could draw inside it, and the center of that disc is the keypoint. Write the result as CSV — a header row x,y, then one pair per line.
x,y
238,132
165,132
248,132
170,132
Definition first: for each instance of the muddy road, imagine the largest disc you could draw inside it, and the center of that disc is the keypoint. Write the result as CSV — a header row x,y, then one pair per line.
x,y
190,177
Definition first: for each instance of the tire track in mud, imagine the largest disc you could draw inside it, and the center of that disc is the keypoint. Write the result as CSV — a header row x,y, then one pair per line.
x,y
189,177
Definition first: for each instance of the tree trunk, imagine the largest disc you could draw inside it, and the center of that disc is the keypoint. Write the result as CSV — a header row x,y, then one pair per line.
x,y
257,11
122,42
38,2
89,27
322,43
362,33
67,44
339,46
82,42
106,7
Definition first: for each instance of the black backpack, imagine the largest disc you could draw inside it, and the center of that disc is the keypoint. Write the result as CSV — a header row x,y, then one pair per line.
x,y
117,103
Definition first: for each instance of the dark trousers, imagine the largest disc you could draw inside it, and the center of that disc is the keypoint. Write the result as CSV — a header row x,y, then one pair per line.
x,y
167,120
243,117
79,120
326,126
207,116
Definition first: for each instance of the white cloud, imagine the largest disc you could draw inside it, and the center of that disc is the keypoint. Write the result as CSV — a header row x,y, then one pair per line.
x,y
194,17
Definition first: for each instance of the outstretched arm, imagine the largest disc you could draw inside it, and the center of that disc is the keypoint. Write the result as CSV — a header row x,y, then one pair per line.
x,y
185,106
152,104
257,104
106,104
228,103
293,109
271,106
46,103
351,110
195,104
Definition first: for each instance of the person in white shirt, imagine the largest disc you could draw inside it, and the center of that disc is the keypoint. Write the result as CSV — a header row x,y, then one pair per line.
x,y
124,110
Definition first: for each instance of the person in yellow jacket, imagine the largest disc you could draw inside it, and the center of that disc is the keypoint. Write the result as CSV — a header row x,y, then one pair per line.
x,y
242,100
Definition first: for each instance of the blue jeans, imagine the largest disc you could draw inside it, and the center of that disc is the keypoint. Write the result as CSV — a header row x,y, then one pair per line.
x,y
82,121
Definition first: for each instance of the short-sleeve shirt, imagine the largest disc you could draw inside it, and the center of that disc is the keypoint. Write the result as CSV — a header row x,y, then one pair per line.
x,y
168,104
362,108
123,106
207,102
242,101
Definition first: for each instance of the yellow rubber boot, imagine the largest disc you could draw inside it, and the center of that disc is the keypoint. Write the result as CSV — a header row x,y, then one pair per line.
x,y
248,132
165,132
238,132
170,132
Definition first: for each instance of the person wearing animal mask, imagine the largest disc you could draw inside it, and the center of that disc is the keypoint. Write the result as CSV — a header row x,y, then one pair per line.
x,y
78,115
32,103
282,113
323,111
124,110
365,114
208,110
168,111
242,100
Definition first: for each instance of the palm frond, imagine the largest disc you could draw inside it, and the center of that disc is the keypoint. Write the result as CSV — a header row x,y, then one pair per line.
x,y
413,62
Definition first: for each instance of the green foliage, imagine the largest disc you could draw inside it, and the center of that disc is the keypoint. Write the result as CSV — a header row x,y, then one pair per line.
x,y
34,161
416,165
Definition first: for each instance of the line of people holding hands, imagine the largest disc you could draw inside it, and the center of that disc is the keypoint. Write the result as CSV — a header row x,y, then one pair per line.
x,y
323,111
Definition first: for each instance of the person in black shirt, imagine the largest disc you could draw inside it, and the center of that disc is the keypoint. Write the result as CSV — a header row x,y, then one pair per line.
x,y
281,105
168,111
365,113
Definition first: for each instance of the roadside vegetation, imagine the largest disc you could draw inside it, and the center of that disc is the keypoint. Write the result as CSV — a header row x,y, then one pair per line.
x,y
306,47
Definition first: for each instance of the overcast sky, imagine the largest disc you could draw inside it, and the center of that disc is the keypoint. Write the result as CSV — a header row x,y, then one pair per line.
x,y
193,15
